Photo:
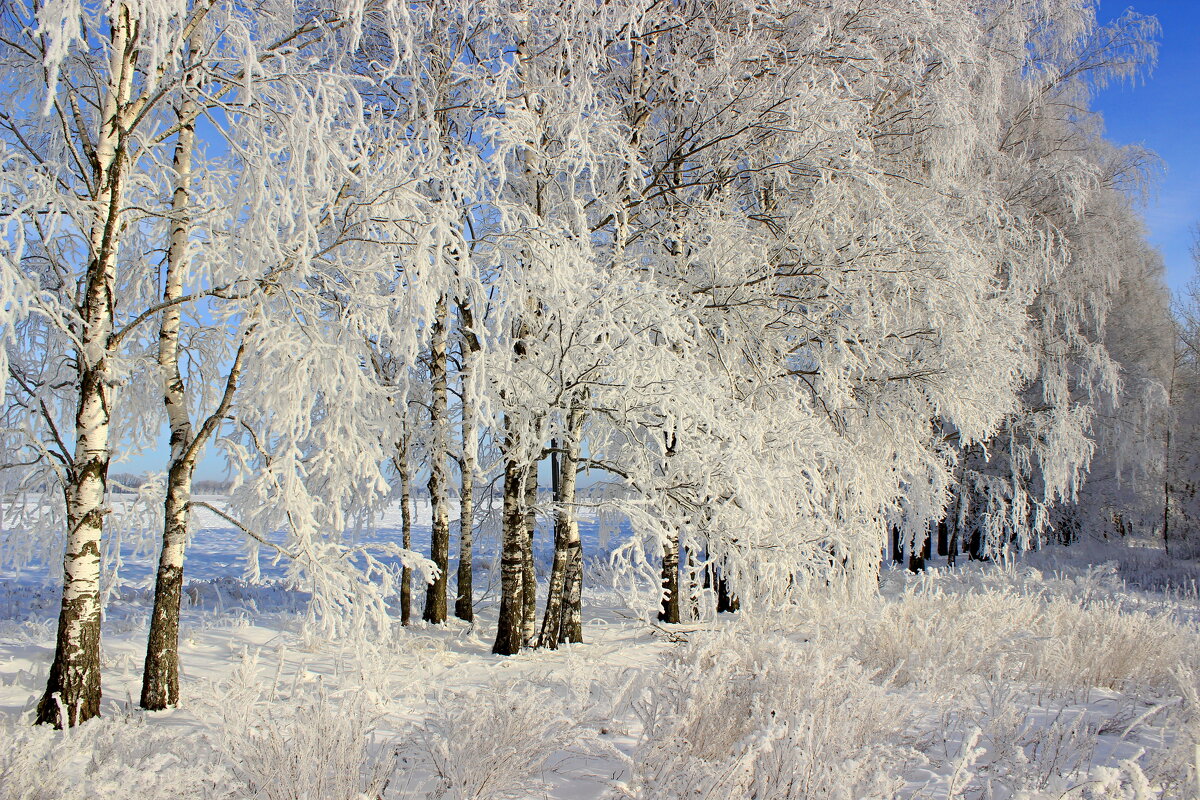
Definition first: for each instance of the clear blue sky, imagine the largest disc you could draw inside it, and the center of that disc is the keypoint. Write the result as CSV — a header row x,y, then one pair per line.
x,y
1163,113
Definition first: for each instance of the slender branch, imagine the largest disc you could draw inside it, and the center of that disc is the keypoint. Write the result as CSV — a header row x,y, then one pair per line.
x,y
257,537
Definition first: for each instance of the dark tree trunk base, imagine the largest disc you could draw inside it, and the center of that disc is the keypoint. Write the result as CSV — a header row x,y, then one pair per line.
x,y
74,682
670,582
160,676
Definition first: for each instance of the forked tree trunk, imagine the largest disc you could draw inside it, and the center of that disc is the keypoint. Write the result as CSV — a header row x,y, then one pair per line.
x,y
512,557
439,538
402,469
528,575
555,625
670,579
74,681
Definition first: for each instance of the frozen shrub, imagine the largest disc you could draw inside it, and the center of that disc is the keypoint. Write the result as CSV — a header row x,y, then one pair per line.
x,y
736,717
107,758
493,743
313,746
930,637
1175,766
1039,747
927,636
1099,646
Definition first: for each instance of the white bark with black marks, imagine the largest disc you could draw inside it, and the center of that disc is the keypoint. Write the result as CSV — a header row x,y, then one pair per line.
x,y
439,478
74,680
562,620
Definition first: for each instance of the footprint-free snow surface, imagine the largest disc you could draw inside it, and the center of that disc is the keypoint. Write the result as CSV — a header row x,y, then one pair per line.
x,y
1068,673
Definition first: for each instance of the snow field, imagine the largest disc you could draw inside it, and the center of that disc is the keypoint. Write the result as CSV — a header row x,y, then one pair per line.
x,y
1045,678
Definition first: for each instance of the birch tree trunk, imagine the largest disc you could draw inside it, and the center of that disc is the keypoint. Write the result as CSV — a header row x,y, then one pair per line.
x,y
509,627
572,615
160,675
464,606
515,626
552,618
528,574
670,578
571,628
401,462
74,681
669,611
439,484
567,546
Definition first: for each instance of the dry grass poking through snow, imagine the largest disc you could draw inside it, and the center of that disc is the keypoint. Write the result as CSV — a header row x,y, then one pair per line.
x,y
108,759
928,636
739,717
1070,685
984,683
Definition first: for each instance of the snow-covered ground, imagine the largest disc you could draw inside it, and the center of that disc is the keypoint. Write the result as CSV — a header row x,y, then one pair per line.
x,y
1069,673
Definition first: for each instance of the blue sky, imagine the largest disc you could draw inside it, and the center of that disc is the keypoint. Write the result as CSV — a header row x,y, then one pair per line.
x,y
1163,113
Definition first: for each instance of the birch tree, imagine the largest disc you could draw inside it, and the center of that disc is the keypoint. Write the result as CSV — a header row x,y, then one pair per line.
x,y
98,133
82,140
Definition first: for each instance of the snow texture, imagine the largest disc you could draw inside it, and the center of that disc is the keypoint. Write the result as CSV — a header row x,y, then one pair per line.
x,y
1052,675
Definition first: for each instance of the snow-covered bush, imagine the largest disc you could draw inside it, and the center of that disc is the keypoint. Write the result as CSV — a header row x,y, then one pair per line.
x,y
928,636
108,758
314,745
494,743
1011,743
736,716
320,747
1176,768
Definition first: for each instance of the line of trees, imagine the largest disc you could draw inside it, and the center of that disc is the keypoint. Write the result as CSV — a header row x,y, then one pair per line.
x,y
1180,473
798,276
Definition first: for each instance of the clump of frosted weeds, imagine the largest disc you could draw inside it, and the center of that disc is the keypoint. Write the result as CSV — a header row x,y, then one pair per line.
x,y
318,747
107,758
927,636
1014,744
304,741
760,716
494,743
1177,767
313,744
